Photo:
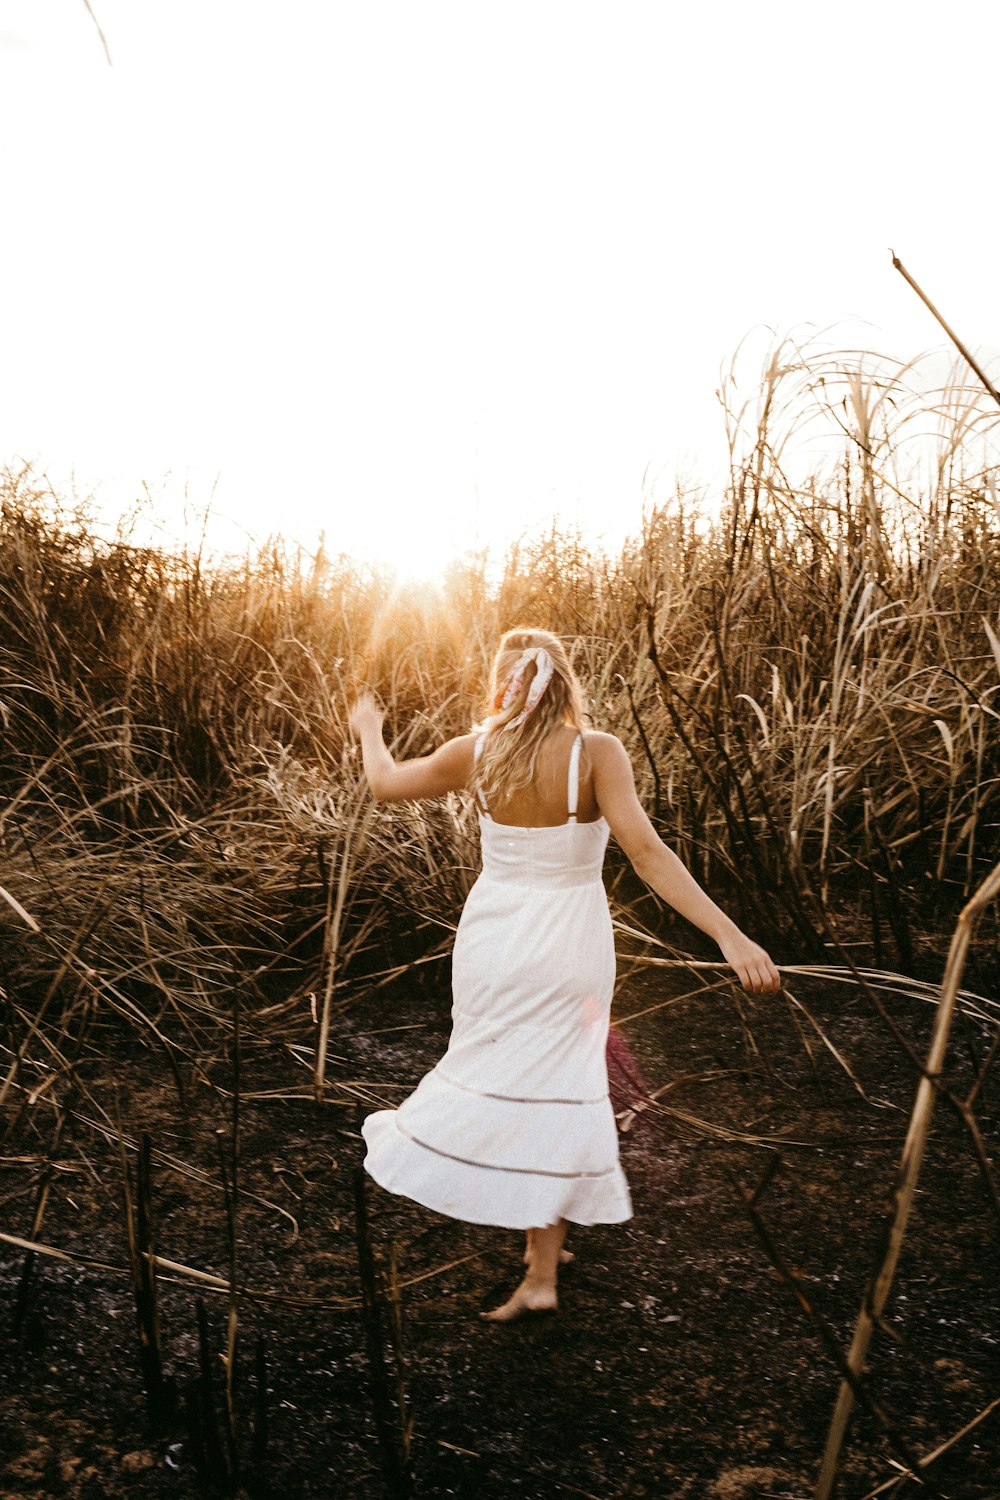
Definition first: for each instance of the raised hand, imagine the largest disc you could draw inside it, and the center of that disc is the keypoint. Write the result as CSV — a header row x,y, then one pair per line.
x,y
365,715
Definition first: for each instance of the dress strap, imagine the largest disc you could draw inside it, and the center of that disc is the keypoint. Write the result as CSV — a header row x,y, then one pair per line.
x,y
573,793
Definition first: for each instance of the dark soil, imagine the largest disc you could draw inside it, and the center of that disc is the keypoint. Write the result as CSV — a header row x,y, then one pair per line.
x,y
680,1364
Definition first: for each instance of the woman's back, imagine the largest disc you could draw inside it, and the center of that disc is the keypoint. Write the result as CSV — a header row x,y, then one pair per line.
x,y
545,802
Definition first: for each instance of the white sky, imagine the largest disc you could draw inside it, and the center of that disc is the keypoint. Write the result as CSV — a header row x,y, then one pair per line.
x,y
422,273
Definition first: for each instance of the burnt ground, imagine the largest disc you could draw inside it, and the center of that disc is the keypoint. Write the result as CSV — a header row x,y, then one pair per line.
x,y
680,1364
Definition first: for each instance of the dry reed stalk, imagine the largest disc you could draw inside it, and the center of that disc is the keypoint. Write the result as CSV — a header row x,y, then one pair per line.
x,y
38,1214
393,1429
67,960
232,1311
201,1410
258,1447
231,1199
987,383
182,1168
142,1263
796,1006
877,1291
405,1413
929,1458
100,33
828,1337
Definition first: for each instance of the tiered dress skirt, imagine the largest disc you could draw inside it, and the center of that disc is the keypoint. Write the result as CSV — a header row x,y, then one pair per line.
x,y
514,1126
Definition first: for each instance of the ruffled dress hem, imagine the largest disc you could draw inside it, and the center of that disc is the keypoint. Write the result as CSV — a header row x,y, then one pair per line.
x,y
497,1196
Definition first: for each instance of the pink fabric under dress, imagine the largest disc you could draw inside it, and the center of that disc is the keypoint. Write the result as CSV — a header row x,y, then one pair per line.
x,y
514,1126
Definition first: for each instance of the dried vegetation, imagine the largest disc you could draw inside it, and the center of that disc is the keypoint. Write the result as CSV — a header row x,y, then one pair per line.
x,y
808,680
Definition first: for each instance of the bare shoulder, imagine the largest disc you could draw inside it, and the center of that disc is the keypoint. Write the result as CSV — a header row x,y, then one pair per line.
x,y
602,741
606,751
615,790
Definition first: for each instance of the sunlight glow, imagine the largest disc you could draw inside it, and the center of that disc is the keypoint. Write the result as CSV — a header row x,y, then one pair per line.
x,y
400,275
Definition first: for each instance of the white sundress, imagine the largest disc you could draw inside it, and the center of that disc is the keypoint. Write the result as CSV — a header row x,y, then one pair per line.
x,y
514,1126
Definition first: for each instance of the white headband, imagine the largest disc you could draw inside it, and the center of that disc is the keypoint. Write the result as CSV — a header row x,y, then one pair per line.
x,y
540,681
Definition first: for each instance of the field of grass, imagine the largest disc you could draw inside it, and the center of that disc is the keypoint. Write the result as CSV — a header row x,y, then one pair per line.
x,y
198,894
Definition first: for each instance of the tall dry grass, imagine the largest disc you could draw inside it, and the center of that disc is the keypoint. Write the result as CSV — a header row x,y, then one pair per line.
x,y
807,675
807,678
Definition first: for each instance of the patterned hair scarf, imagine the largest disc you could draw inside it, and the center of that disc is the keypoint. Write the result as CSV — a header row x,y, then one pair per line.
x,y
515,682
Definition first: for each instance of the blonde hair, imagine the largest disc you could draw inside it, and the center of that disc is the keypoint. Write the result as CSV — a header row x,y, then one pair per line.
x,y
510,755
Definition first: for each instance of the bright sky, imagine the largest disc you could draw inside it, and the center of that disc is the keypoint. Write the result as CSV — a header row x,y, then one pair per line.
x,y
420,274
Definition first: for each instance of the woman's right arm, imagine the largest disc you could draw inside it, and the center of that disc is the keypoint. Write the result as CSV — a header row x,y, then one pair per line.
x,y
446,770
660,868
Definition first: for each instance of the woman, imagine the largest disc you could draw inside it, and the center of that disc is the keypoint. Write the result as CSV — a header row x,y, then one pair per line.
x,y
514,1126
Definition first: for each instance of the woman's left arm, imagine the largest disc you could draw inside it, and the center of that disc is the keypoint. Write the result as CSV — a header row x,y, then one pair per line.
x,y
447,770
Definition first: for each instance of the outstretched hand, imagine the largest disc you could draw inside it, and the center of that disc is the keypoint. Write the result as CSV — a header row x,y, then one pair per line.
x,y
365,714
752,963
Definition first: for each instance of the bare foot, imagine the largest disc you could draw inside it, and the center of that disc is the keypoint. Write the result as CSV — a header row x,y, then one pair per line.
x,y
527,1299
565,1256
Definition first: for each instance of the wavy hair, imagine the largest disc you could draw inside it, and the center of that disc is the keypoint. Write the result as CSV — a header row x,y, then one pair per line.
x,y
510,755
